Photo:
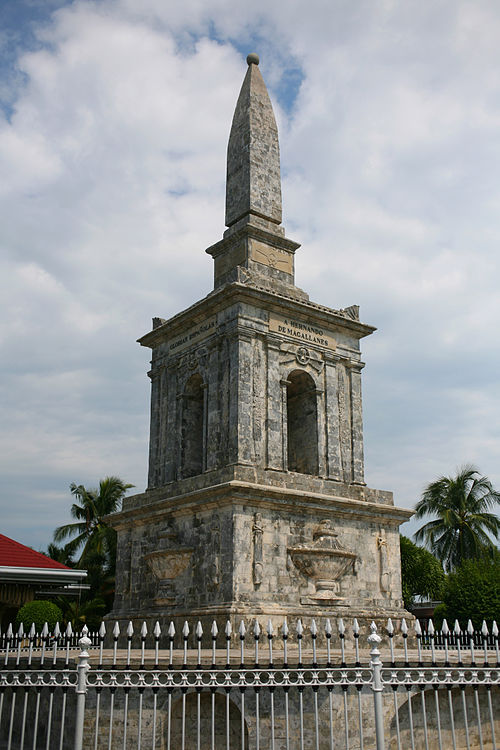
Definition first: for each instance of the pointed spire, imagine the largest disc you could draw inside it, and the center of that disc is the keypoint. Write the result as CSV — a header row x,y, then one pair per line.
x,y
253,158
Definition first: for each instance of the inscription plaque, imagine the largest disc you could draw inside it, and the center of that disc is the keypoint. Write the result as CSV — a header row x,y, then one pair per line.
x,y
302,331
192,335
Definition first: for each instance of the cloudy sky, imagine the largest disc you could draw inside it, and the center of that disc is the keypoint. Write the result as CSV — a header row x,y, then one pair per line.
x,y
114,122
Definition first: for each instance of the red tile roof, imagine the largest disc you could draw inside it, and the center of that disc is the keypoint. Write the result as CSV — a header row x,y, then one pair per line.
x,y
16,555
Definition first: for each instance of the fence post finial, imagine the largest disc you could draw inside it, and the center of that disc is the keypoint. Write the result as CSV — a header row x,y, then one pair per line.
x,y
81,689
377,687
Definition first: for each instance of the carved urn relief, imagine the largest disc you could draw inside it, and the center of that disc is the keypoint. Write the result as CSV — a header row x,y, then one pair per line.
x,y
166,565
324,561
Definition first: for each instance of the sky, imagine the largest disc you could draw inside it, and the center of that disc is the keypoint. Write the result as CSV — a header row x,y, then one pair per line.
x,y
114,120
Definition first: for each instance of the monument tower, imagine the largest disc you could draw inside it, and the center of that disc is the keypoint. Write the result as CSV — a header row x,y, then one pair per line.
x,y
256,503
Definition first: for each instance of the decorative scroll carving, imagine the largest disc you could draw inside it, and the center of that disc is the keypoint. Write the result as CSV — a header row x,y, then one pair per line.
x,y
324,561
257,531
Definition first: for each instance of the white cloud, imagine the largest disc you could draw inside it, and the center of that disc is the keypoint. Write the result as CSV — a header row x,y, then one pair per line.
x,y
113,165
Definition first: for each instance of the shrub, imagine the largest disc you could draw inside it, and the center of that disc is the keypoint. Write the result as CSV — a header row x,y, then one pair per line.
x,y
421,573
38,612
472,592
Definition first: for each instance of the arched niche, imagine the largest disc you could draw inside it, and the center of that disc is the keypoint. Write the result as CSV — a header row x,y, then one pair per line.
x,y
302,423
192,431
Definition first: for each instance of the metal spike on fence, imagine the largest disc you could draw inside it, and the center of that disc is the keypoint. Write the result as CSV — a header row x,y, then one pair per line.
x,y
171,630
328,634
430,628
69,630
102,631
314,634
299,630
390,632
341,628
242,631
256,635
157,630
284,634
144,631
130,630
485,633
45,630
355,628
470,631
270,634
199,636
494,632
418,633
432,632
404,632
444,628
20,632
214,631
116,631
185,629
228,631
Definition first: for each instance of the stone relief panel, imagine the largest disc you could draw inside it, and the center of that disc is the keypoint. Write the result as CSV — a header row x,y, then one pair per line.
x,y
257,532
303,356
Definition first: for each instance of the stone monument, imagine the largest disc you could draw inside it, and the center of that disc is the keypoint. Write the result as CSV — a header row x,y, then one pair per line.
x,y
256,503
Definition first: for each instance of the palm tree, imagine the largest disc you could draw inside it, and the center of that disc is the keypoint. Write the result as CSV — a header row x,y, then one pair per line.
x,y
463,528
90,531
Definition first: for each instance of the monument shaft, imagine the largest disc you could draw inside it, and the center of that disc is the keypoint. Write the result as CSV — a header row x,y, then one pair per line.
x,y
256,502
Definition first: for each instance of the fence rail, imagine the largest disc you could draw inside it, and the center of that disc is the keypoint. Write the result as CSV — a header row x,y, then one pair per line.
x,y
254,688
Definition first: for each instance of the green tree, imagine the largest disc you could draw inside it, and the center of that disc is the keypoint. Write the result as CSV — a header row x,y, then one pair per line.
x,y
472,591
91,533
39,612
463,527
59,554
421,573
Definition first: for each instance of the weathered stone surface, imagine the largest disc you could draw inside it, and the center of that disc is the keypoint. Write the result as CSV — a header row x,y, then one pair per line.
x,y
253,157
256,435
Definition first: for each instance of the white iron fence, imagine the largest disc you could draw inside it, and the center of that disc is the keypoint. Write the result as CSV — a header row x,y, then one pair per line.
x,y
296,688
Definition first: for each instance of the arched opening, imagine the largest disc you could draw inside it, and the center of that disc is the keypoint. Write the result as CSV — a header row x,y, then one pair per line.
x,y
192,427
302,423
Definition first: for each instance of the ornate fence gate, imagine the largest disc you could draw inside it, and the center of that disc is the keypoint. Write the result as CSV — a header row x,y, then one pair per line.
x,y
294,689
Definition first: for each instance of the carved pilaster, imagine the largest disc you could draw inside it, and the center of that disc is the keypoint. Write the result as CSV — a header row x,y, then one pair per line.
x,y
284,424
334,462
274,416
358,474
